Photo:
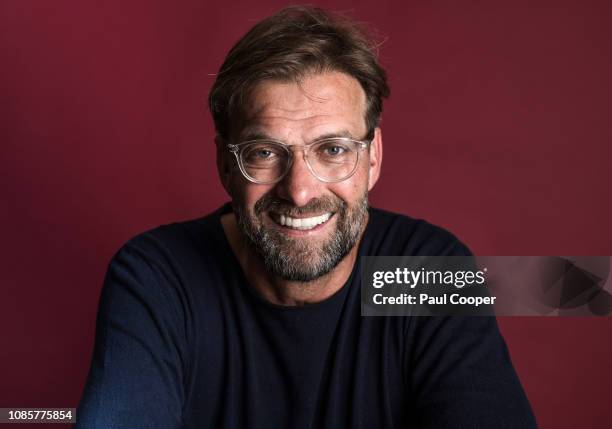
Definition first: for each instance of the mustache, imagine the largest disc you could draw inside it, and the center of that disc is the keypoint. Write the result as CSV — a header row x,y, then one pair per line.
x,y
314,206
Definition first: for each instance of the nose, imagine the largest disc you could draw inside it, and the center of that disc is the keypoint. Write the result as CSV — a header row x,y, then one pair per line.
x,y
299,185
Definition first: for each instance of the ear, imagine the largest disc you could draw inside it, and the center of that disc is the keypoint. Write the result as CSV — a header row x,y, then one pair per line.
x,y
376,153
224,166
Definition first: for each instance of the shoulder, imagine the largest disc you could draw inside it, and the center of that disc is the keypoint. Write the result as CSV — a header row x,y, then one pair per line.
x,y
170,261
391,233
178,243
163,268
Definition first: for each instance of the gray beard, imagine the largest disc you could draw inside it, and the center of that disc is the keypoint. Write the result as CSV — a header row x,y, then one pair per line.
x,y
298,260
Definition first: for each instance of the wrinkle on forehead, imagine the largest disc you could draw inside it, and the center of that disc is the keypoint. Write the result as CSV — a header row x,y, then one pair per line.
x,y
310,95
317,101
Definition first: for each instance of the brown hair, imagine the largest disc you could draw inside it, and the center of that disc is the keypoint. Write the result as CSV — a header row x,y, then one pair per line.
x,y
287,46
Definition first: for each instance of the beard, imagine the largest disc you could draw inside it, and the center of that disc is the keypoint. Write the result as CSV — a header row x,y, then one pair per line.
x,y
302,259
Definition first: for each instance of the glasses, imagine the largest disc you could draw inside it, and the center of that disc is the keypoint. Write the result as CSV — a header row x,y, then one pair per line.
x,y
268,161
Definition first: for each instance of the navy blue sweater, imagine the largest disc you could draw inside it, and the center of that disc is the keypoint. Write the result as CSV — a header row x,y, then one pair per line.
x,y
183,341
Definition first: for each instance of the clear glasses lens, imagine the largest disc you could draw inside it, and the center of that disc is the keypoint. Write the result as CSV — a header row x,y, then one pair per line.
x,y
330,160
333,159
265,161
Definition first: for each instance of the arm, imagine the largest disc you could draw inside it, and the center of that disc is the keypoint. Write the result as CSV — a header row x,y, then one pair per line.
x,y
462,377
135,380
459,370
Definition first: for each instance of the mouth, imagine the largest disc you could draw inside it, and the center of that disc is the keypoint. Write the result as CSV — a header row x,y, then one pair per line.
x,y
303,223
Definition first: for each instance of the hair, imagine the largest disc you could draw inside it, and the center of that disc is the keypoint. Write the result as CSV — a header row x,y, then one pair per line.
x,y
289,45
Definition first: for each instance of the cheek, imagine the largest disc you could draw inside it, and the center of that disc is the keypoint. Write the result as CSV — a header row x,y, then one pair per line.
x,y
361,178
353,189
247,194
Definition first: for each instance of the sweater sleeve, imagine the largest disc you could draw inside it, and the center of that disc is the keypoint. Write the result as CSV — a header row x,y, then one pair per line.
x,y
462,376
460,371
135,379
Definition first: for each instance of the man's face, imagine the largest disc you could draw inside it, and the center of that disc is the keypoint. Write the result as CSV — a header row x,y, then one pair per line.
x,y
321,105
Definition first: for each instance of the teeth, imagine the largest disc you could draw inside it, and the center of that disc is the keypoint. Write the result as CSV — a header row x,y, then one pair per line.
x,y
305,223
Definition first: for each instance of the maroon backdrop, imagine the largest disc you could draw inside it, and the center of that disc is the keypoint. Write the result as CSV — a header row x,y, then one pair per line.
x,y
498,129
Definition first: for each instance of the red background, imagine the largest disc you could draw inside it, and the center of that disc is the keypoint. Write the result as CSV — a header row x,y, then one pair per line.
x,y
497,128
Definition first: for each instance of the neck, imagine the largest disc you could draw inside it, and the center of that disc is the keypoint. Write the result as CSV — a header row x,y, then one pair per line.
x,y
280,291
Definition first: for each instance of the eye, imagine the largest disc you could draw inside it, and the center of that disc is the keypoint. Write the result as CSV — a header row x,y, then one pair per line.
x,y
262,154
334,150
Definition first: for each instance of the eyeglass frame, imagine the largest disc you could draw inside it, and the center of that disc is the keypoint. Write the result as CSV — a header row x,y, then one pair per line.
x,y
237,148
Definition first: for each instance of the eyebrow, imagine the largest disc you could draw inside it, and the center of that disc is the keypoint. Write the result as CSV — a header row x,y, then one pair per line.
x,y
259,135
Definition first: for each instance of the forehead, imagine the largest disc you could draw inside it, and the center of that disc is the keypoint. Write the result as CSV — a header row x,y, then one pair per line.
x,y
323,103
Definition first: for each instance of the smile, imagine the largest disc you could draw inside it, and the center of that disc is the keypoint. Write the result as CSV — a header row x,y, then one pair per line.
x,y
302,224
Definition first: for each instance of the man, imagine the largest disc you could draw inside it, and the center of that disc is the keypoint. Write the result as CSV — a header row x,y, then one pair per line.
x,y
250,317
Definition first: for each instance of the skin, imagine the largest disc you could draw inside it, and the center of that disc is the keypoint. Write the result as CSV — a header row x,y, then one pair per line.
x,y
321,104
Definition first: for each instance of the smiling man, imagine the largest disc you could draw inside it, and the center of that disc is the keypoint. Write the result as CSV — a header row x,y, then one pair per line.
x,y
250,317
303,206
